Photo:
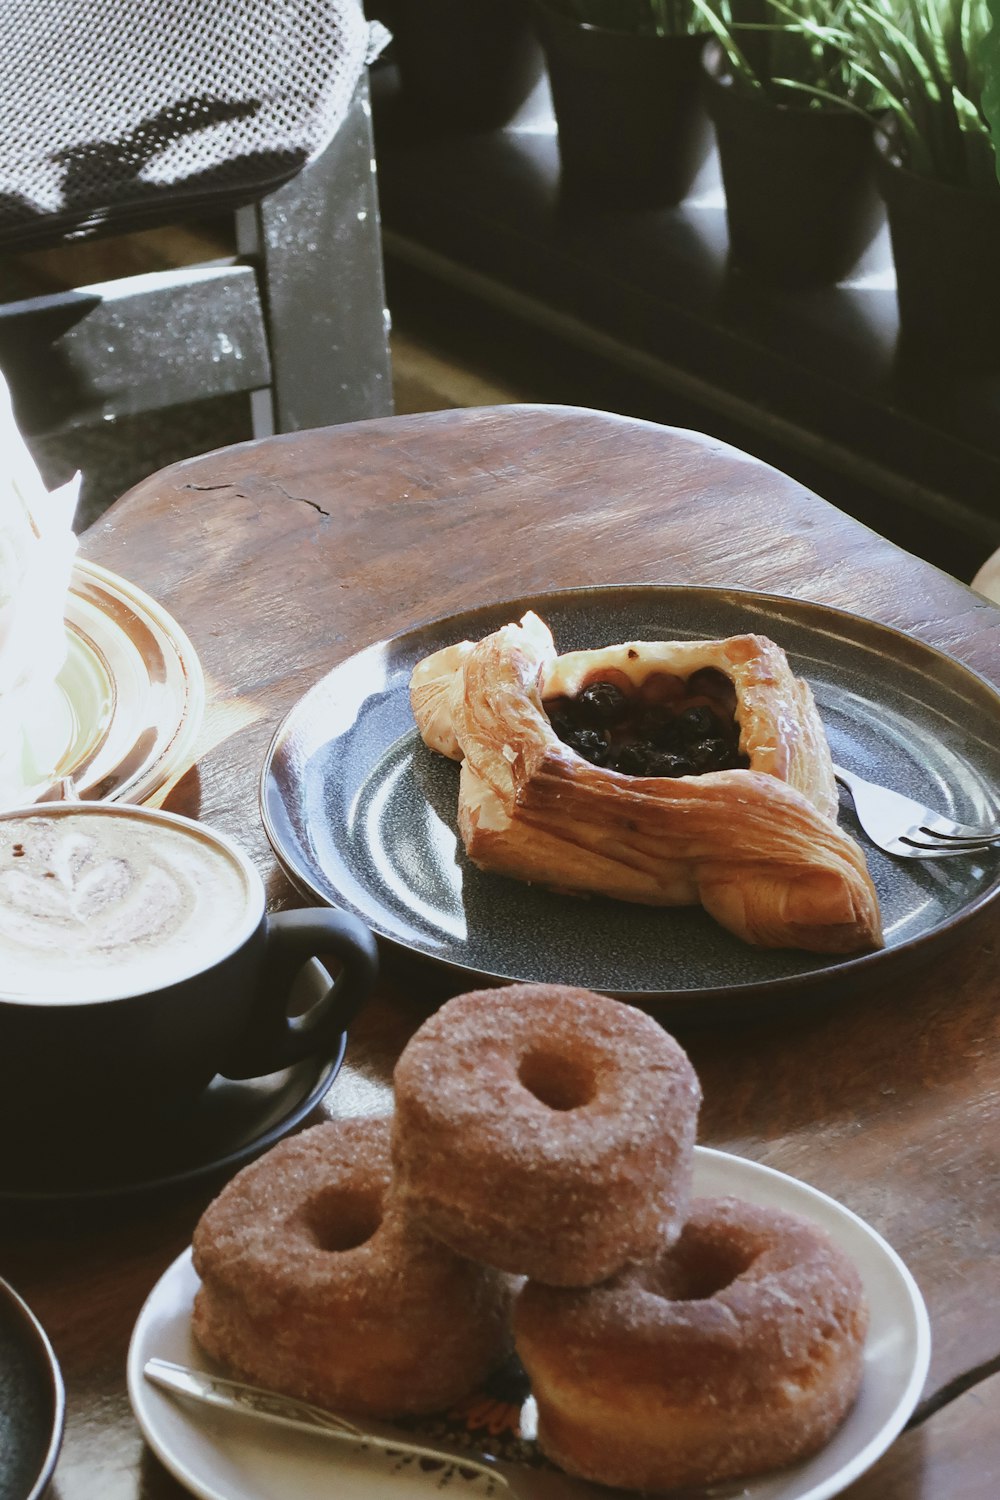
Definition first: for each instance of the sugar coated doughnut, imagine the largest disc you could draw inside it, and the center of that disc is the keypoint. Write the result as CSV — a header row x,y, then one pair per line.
x,y
545,1130
314,1284
736,1351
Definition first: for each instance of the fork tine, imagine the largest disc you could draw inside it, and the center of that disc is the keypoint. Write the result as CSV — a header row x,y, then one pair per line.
x,y
951,840
908,849
941,827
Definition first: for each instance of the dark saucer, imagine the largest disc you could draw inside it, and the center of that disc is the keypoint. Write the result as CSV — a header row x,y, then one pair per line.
x,y
224,1127
32,1401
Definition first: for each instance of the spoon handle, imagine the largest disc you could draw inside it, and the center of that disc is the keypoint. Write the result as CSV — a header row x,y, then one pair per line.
x,y
235,1395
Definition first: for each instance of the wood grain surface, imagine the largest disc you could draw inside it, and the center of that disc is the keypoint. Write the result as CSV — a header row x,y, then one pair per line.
x,y
281,558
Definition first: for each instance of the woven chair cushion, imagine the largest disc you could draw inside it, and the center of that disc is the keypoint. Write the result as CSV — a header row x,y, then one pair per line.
x,y
123,110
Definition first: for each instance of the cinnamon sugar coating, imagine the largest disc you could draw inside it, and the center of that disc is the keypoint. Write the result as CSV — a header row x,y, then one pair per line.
x,y
734,1352
545,1130
315,1284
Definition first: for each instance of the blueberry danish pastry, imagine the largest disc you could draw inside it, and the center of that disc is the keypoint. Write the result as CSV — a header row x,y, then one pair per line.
x,y
666,772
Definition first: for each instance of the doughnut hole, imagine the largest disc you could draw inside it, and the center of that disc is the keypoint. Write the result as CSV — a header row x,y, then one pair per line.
x,y
557,1081
337,1219
697,1272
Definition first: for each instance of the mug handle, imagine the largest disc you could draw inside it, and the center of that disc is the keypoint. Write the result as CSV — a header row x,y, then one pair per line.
x,y
276,1040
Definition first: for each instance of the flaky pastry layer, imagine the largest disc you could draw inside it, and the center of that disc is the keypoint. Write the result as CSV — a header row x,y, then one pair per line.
x,y
760,848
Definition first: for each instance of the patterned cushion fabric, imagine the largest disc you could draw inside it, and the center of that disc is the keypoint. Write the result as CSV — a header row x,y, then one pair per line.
x,y
123,110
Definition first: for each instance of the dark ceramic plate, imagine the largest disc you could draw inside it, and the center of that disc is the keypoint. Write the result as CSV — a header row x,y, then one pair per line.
x,y
230,1123
32,1401
362,815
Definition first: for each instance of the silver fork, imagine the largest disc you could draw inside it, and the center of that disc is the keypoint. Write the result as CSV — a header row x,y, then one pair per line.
x,y
908,829
520,1481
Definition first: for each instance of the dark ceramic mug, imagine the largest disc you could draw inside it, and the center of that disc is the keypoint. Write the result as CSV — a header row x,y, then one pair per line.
x,y
137,961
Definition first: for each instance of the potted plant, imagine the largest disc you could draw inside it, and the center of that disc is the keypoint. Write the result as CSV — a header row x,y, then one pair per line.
x,y
934,62
626,92
795,135
465,65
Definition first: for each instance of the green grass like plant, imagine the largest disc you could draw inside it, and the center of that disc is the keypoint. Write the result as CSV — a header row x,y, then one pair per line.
x,y
929,68
991,76
794,52
923,66
928,59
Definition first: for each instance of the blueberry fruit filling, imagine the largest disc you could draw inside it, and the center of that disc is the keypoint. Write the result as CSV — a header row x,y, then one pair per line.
x,y
667,726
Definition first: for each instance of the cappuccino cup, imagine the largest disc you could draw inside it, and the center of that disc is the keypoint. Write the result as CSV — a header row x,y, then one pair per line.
x,y
137,962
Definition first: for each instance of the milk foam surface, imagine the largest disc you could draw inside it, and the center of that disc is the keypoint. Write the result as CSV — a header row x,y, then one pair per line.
x,y
104,903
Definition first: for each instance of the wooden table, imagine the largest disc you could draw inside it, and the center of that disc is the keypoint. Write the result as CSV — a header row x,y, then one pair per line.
x,y
282,557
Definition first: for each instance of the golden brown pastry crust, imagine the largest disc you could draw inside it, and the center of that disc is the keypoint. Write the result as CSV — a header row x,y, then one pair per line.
x,y
760,849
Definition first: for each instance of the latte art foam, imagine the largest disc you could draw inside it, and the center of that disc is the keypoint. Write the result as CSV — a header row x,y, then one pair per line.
x,y
97,904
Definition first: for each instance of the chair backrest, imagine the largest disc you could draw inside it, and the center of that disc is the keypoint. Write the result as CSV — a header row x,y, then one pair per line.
x,y
118,112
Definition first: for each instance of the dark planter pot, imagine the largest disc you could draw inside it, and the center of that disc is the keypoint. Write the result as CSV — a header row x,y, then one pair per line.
x,y
632,126
802,202
946,247
467,65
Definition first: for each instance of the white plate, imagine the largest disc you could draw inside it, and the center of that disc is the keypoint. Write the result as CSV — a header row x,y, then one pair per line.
x,y
122,716
227,1456
135,684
